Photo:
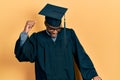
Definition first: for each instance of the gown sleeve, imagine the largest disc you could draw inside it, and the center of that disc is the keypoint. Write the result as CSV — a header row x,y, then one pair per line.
x,y
82,60
27,51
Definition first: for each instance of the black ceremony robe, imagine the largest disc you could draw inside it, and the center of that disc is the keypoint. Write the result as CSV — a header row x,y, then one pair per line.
x,y
55,60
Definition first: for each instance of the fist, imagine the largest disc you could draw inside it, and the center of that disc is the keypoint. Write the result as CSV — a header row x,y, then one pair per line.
x,y
97,78
28,26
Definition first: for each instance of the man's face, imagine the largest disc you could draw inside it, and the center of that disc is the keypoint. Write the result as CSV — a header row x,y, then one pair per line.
x,y
53,31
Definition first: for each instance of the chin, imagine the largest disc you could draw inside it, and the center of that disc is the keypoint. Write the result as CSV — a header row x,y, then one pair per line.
x,y
53,36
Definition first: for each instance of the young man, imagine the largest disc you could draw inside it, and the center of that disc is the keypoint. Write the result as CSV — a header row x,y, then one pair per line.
x,y
54,50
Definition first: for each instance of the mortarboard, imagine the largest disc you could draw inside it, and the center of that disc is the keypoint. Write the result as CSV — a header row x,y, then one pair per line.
x,y
53,14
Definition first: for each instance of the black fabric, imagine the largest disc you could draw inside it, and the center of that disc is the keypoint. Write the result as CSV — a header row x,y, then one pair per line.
x,y
53,22
54,60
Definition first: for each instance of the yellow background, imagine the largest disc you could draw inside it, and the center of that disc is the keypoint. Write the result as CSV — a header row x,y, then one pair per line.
x,y
96,22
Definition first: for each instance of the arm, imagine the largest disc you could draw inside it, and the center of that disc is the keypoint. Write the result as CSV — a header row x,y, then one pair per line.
x,y
20,43
83,61
24,34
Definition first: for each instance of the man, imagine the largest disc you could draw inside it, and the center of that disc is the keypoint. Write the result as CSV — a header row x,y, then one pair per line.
x,y
54,50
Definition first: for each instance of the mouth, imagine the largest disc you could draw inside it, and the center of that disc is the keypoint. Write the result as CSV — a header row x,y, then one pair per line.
x,y
53,35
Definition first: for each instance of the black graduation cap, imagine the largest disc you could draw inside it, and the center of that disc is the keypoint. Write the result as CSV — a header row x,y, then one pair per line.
x,y
53,14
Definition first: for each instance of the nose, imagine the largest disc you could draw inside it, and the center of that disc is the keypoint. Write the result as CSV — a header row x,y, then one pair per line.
x,y
55,31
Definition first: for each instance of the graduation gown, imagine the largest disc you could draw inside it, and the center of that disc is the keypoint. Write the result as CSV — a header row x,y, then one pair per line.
x,y
55,60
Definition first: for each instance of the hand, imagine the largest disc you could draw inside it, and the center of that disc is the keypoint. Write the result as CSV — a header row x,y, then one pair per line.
x,y
97,78
28,26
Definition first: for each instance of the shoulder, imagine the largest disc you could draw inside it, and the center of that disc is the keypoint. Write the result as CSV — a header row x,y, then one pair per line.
x,y
70,31
40,33
37,35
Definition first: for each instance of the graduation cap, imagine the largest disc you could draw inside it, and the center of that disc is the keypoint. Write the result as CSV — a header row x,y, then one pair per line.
x,y
53,14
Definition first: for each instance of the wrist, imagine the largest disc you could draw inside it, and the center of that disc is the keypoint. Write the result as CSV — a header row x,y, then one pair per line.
x,y
24,31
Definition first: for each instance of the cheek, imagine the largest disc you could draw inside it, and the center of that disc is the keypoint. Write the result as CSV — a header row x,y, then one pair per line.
x,y
50,32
